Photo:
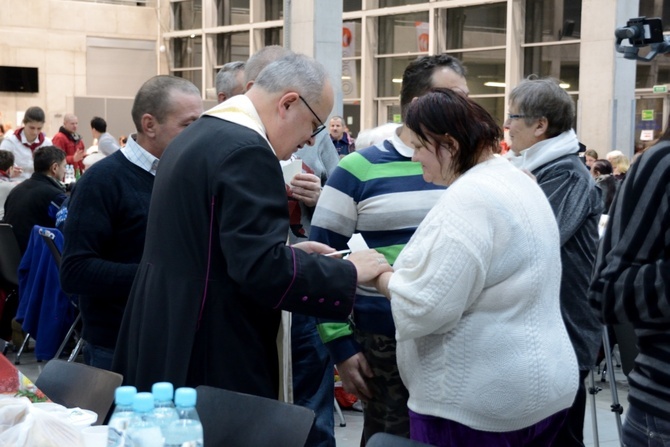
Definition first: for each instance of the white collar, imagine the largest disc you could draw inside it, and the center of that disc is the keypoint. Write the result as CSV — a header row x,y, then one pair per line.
x,y
399,145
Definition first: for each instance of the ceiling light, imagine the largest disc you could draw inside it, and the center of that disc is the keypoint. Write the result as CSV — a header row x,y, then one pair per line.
x,y
396,81
564,85
495,84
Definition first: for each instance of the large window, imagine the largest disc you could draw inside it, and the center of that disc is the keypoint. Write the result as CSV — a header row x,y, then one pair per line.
x,y
553,20
186,14
657,71
476,26
558,61
187,58
232,12
232,47
405,33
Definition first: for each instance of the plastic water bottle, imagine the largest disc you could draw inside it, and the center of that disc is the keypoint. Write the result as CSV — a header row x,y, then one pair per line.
x,y
164,410
123,413
187,430
142,430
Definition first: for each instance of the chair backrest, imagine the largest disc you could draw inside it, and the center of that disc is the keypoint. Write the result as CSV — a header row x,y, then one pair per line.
x,y
241,420
49,239
388,440
79,385
627,341
10,256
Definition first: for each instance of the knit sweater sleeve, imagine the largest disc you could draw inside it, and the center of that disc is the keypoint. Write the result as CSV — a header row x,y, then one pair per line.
x,y
632,272
439,274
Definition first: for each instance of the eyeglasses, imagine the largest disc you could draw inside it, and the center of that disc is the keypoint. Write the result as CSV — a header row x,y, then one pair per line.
x,y
321,126
512,116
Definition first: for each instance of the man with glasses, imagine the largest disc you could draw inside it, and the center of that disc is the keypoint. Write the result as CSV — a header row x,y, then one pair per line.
x,y
380,193
216,271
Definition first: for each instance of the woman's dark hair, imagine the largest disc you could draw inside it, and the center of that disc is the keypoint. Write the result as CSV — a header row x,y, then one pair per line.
x,y
443,113
603,167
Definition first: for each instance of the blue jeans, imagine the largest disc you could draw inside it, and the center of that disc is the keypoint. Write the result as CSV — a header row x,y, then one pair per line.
x,y
643,429
313,379
98,356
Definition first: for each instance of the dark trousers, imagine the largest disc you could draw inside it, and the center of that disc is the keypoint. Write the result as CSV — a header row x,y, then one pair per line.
x,y
572,432
313,379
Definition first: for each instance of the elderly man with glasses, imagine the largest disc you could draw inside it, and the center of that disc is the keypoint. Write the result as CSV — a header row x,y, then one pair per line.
x,y
216,271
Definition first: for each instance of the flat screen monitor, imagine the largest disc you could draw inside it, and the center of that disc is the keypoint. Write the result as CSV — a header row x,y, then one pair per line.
x,y
18,79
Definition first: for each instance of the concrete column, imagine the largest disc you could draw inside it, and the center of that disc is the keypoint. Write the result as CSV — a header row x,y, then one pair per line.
x,y
606,80
314,27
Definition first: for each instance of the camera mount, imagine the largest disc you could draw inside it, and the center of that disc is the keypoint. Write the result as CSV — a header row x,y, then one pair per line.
x,y
640,32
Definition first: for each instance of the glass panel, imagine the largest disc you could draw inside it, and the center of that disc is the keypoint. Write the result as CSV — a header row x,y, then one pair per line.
x,y
558,61
195,76
552,20
232,47
274,36
495,106
351,78
389,75
352,118
351,38
387,3
187,52
655,8
649,74
232,12
351,5
486,71
274,9
655,104
406,33
476,26
187,14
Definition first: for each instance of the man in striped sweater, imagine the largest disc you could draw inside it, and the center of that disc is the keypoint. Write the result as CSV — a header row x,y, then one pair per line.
x,y
379,192
631,283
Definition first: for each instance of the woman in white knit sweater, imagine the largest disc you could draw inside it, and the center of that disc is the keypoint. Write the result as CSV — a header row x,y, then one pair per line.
x,y
482,346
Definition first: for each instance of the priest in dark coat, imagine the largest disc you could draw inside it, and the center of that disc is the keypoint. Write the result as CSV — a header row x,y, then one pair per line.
x,y
216,271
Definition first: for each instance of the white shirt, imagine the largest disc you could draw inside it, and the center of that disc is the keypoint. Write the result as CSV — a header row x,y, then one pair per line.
x,y
23,156
139,156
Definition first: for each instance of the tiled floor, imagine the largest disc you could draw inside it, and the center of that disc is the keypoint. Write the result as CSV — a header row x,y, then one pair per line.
x,y
349,436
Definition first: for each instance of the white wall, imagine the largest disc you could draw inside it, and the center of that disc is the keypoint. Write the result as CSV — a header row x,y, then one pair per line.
x,y
52,36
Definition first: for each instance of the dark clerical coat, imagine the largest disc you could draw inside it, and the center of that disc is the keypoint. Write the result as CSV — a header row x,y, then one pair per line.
x,y
216,270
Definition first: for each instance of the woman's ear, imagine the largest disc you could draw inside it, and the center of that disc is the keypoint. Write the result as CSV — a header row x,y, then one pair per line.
x,y
541,127
451,143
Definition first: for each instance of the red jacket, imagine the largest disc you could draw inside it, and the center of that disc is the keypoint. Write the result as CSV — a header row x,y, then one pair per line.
x,y
69,144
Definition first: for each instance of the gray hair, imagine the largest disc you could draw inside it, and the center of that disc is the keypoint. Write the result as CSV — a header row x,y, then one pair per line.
x,y
155,97
261,59
226,78
295,72
537,98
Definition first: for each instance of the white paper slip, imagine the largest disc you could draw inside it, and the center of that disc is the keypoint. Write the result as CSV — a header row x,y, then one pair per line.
x,y
290,169
357,243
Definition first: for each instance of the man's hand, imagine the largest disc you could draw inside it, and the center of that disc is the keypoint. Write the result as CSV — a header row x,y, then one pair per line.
x,y
369,264
353,372
306,188
78,155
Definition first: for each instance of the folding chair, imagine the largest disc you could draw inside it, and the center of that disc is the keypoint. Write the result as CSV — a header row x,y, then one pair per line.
x,y
74,384
388,440
10,258
241,420
50,240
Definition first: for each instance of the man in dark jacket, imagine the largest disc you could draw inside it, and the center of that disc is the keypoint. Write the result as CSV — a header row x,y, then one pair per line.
x,y
37,200
107,214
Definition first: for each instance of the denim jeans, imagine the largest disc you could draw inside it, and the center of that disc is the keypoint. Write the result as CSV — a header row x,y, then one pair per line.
x,y
641,429
98,356
313,379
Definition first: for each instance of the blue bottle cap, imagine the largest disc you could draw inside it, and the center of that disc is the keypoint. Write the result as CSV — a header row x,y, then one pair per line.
x,y
143,402
124,395
185,397
162,391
